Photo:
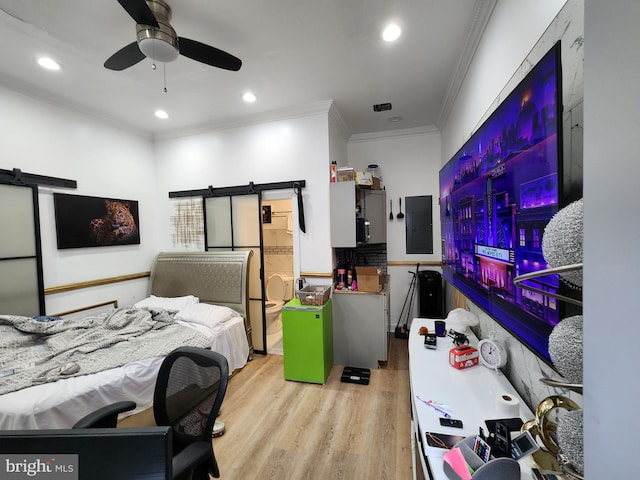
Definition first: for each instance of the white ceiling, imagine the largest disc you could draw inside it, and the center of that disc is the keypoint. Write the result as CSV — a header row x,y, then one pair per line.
x,y
295,53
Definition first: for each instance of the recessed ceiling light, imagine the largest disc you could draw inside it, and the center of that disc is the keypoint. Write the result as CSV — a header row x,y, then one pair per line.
x,y
391,32
161,114
48,63
396,118
249,97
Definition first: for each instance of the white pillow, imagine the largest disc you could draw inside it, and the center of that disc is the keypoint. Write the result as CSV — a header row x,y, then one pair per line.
x,y
166,303
206,314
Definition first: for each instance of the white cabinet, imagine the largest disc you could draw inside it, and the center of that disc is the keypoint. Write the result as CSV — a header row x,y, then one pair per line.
x,y
360,328
357,215
343,210
374,211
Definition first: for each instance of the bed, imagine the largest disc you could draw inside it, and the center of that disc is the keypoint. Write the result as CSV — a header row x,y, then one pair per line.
x,y
218,280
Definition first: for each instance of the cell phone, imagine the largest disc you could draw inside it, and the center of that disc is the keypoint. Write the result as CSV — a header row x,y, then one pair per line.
x,y
502,440
523,445
450,422
431,341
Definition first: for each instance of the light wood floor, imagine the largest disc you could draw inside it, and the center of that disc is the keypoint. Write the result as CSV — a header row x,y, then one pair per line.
x,y
279,429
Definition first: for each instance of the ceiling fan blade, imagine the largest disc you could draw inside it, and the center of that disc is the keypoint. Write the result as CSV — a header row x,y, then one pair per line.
x,y
140,12
125,57
208,54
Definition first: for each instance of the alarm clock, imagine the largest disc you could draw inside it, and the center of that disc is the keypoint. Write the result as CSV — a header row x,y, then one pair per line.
x,y
492,353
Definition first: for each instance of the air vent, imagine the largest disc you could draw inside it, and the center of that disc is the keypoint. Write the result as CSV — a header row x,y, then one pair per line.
x,y
382,107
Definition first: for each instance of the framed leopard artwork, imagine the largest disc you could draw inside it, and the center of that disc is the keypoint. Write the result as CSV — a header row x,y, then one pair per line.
x,y
83,221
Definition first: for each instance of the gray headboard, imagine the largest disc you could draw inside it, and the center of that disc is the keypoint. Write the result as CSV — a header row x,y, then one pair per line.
x,y
220,278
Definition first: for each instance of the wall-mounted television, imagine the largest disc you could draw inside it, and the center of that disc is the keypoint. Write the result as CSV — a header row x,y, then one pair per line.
x,y
497,194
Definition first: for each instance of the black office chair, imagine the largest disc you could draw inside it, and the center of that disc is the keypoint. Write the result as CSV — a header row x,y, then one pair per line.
x,y
189,390
105,417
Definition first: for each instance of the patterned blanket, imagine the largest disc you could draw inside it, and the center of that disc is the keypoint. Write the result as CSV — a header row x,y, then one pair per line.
x,y
33,352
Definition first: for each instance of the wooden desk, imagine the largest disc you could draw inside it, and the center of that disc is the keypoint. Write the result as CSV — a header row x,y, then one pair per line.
x,y
471,394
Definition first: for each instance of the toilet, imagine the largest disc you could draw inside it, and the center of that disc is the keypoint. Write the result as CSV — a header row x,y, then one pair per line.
x,y
279,291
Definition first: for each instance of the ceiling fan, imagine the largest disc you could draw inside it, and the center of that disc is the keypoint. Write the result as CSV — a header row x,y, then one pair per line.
x,y
157,40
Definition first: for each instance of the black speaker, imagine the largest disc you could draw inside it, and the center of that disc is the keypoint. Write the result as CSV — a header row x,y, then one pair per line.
x,y
430,294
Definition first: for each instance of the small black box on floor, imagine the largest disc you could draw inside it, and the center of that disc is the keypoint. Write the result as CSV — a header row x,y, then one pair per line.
x,y
356,375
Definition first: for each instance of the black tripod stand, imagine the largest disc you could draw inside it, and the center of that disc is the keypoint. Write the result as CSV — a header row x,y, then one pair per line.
x,y
407,307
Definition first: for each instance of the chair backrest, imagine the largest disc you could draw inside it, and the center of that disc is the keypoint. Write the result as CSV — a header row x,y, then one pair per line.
x,y
189,390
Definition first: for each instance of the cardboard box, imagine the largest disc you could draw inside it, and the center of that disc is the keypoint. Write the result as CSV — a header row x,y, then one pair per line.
x,y
364,179
370,279
376,184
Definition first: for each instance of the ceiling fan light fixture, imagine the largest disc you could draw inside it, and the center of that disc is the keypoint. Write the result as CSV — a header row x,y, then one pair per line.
x,y
159,44
158,49
156,39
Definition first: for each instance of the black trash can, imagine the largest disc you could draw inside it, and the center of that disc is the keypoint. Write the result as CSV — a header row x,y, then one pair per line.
x,y
430,294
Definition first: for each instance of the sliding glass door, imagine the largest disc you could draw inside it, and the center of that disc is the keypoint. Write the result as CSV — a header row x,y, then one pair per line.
x,y
233,223
21,281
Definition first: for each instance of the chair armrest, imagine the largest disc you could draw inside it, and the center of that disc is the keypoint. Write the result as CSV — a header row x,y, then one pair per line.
x,y
105,417
193,455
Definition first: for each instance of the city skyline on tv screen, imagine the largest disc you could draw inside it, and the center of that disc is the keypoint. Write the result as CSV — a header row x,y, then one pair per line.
x,y
497,194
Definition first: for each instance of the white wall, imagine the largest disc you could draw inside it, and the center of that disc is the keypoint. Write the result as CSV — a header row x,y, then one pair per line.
x,y
41,138
273,151
515,26
338,136
409,162
611,238
511,45
47,139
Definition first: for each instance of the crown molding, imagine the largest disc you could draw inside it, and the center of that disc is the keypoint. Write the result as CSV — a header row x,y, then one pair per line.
x,y
287,113
407,132
336,119
14,86
481,15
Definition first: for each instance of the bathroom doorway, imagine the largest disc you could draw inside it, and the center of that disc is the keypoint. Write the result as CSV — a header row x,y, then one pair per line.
x,y
278,252
233,218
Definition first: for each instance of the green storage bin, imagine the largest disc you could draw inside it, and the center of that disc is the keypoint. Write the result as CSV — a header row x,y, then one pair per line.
x,y
307,341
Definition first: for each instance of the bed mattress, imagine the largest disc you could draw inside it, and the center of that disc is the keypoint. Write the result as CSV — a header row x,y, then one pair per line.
x,y
62,403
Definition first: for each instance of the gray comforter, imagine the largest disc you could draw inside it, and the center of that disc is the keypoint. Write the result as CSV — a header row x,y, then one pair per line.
x,y
32,352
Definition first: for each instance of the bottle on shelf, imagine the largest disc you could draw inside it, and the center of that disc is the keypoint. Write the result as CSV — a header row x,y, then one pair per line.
x,y
334,172
342,278
354,281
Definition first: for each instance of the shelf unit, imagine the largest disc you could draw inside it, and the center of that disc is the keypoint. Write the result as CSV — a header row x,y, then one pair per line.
x,y
348,203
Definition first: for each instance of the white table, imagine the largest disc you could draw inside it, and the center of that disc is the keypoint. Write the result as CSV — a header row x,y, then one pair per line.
x,y
471,395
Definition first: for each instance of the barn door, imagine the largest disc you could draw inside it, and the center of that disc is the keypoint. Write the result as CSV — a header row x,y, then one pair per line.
x,y
21,280
233,223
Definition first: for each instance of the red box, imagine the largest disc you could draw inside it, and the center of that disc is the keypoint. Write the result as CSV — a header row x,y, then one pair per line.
x,y
463,356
